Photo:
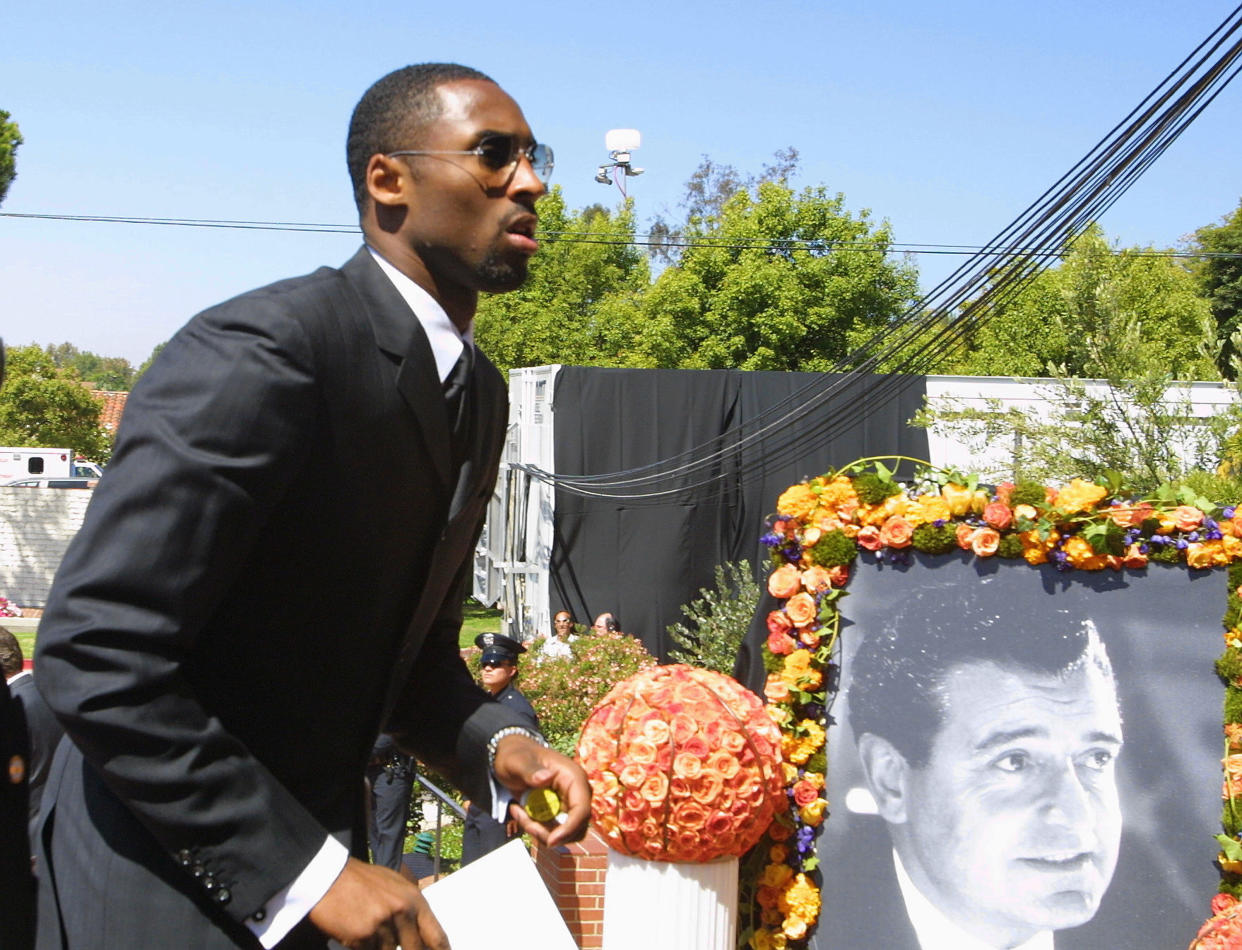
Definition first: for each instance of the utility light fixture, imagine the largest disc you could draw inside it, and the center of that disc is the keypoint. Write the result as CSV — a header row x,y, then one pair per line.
x,y
620,143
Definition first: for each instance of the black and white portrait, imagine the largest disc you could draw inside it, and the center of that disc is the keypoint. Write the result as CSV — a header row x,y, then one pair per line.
x,y
1022,758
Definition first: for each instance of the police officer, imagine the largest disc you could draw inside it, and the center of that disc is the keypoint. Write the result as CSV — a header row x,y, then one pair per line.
x,y
499,670
391,777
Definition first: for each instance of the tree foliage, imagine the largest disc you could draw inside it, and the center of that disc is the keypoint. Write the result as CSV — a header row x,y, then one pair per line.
x,y
1067,320
1118,330
1219,274
44,405
765,278
10,139
579,305
778,280
719,619
112,373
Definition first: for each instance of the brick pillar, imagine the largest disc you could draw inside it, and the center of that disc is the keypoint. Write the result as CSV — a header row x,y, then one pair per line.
x,y
574,874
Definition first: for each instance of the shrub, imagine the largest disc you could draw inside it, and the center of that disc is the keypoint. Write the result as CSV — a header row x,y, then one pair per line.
x,y
720,619
564,690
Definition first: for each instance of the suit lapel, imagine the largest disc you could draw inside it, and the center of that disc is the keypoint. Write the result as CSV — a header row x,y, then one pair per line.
x,y
398,332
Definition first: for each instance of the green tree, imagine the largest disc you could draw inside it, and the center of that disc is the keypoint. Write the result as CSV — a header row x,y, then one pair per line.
x,y
719,619
1120,329
10,139
146,364
112,373
1067,320
580,303
777,280
43,405
1219,273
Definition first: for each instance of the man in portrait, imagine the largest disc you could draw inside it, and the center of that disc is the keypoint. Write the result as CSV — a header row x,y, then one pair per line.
x,y
988,739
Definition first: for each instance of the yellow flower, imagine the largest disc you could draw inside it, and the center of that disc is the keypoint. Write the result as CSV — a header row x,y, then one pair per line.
x,y
798,501
802,898
1080,554
957,497
813,812
1079,496
776,875
839,494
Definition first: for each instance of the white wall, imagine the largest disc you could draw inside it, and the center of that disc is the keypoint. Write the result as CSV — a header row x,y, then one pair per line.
x,y
36,525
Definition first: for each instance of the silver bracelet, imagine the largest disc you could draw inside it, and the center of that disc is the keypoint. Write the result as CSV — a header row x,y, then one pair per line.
x,y
494,742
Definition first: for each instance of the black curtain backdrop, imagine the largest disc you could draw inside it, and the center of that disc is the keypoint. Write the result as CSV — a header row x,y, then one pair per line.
x,y
642,559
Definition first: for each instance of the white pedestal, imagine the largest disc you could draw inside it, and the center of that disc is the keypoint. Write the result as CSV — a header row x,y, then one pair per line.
x,y
657,905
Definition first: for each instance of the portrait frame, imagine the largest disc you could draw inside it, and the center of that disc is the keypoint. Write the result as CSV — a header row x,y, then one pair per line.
x,y
1156,577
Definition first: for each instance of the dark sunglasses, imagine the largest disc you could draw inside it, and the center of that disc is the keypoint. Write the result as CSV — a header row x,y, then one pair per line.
x,y
499,152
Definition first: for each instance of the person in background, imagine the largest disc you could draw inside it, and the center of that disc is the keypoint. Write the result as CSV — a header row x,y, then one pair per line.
x,y
390,775
498,672
606,623
557,645
42,730
17,892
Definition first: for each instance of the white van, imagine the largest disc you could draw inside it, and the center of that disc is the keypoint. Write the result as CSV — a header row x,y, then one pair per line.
x,y
23,462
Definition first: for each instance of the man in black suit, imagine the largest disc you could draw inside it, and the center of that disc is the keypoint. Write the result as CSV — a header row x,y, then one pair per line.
x,y
988,740
331,437
42,730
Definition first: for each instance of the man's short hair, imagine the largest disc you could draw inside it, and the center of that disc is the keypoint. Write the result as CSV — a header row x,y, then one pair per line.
x,y
897,686
393,113
11,658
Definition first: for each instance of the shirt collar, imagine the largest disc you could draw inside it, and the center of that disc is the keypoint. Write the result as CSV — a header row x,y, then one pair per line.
x,y
936,932
447,342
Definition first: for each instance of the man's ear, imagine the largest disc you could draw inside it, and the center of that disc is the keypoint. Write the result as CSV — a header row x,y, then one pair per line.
x,y
888,776
387,180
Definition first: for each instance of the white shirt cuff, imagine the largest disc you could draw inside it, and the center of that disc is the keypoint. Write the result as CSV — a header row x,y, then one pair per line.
x,y
288,906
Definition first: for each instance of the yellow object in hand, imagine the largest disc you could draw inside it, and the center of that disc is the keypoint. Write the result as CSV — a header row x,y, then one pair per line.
x,y
542,804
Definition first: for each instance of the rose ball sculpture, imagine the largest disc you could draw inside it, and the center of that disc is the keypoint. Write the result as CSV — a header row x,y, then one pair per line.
x,y
685,769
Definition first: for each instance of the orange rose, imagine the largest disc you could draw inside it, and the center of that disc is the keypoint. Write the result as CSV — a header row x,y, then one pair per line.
x,y
1198,556
779,831
985,541
784,582
802,609
896,532
815,579
838,575
964,535
1025,511
808,638
655,788
1135,558
1187,518
804,793
1004,490
868,538
998,515
687,766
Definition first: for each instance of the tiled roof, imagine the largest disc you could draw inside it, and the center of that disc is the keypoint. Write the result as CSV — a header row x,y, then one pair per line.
x,y
113,406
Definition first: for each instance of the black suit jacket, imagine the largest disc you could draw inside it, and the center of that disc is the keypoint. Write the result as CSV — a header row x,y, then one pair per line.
x,y
44,733
269,574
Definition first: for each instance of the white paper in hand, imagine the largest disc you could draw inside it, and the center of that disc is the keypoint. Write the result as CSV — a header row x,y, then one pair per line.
x,y
499,900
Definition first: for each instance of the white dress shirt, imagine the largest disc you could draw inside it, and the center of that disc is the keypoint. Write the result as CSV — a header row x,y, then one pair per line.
x,y
936,932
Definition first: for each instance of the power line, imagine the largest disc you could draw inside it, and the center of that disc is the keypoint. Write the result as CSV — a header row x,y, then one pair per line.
x,y
589,237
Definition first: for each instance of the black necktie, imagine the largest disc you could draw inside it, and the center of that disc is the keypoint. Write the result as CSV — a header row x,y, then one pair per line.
x,y
456,387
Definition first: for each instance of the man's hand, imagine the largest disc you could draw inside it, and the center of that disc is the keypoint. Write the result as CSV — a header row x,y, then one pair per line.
x,y
521,763
373,908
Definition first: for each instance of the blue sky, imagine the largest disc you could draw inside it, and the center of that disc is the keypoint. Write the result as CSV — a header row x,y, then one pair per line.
x,y
947,119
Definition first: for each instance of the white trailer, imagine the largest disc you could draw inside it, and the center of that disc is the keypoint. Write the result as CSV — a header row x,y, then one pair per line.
x,y
24,462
